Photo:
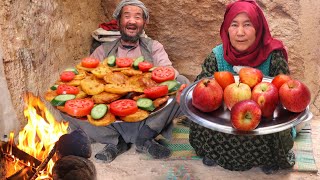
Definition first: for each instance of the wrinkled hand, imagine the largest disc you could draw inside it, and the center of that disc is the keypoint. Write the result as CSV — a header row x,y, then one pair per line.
x,y
182,87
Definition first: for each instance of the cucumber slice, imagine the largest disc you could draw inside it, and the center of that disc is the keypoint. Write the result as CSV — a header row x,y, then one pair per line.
x,y
60,100
145,104
98,111
153,68
74,70
137,61
173,85
54,87
111,61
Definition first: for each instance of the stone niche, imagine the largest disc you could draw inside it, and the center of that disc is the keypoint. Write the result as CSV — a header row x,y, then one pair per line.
x,y
41,38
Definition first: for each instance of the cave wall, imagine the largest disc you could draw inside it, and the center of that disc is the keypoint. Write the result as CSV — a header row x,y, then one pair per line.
x,y
41,38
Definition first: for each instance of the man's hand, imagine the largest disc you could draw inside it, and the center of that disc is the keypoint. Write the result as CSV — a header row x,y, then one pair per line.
x,y
182,87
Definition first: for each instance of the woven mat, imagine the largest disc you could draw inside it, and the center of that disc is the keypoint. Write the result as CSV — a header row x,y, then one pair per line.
x,y
182,150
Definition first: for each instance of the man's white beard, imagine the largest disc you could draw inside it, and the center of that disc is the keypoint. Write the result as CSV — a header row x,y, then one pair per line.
x,y
131,39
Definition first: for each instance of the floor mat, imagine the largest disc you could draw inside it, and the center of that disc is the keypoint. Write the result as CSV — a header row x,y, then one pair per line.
x,y
303,151
181,149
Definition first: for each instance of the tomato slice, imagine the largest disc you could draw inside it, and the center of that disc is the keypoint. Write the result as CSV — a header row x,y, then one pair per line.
x,y
145,66
67,76
78,107
123,107
89,62
161,74
156,91
67,89
124,62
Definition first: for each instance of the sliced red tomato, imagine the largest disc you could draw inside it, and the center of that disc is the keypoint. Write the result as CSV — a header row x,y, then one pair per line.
x,y
67,89
78,107
67,76
145,66
123,107
90,62
124,62
156,91
161,74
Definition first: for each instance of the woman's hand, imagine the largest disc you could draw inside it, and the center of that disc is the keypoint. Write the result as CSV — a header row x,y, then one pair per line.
x,y
182,87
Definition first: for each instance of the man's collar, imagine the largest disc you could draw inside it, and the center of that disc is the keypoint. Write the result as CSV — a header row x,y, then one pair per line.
x,y
129,46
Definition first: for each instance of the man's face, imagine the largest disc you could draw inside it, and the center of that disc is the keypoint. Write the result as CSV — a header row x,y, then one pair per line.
x,y
131,23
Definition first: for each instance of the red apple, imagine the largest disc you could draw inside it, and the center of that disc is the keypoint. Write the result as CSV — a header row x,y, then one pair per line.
x,y
280,79
294,96
224,78
266,95
236,92
250,76
245,115
207,95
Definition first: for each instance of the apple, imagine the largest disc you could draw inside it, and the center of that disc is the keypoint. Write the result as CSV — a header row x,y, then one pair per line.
x,y
294,95
236,92
267,96
224,78
280,79
207,95
250,76
245,115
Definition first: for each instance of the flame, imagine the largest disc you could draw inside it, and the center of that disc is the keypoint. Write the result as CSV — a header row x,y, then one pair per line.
x,y
41,131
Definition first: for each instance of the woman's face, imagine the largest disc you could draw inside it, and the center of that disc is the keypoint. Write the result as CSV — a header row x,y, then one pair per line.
x,y
241,32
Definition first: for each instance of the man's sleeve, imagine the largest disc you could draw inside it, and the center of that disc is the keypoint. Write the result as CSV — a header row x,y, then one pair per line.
x,y
98,53
160,56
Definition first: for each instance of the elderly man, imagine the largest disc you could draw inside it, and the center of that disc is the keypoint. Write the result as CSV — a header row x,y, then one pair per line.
x,y
132,16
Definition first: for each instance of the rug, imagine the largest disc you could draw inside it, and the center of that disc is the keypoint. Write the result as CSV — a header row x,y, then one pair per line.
x,y
182,150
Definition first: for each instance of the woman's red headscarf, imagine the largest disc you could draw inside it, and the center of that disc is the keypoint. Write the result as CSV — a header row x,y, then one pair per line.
x,y
264,44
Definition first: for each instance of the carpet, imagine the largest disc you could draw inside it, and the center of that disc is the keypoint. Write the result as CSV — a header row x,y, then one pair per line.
x,y
182,150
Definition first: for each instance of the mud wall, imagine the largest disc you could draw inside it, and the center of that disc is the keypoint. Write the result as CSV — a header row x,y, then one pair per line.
x,y
41,38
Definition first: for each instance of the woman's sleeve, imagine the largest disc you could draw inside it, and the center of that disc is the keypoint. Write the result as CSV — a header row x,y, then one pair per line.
x,y
209,66
279,64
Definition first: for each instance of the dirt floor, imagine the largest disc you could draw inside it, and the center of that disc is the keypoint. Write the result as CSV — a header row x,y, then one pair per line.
x,y
133,166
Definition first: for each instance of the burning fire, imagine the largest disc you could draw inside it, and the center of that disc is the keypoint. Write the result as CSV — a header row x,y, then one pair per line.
x,y
41,132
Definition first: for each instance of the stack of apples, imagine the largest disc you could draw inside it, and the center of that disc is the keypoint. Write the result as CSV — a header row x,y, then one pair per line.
x,y
250,100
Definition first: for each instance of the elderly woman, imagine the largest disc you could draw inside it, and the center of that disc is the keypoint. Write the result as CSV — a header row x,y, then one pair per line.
x,y
246,41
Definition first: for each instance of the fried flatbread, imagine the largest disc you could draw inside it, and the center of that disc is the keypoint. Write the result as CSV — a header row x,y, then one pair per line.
x,y
115,78
92,87
104,121
105,98
135,117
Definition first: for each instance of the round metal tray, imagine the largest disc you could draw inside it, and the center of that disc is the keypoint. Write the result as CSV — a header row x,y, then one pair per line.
x,y
219,120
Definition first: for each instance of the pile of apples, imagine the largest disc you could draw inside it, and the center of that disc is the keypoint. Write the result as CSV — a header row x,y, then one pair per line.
x,y
250,99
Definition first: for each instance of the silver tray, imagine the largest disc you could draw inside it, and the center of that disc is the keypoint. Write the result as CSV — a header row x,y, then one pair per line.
x,y
219,120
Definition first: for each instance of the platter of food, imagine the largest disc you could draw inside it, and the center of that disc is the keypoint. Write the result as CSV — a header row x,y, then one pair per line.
x,y
112,91
219,119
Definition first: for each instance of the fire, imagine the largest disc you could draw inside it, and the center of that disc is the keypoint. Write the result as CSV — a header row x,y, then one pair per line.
x,y
41,132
